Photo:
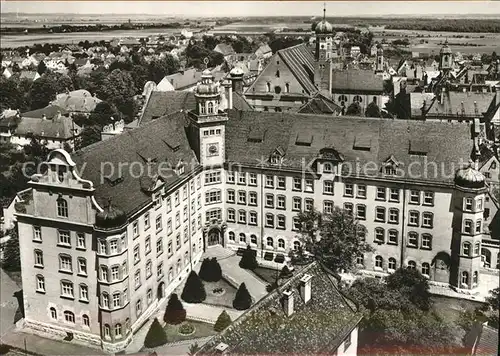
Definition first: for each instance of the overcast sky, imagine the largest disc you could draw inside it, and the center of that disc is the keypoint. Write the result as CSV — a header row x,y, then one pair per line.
x,y
252,8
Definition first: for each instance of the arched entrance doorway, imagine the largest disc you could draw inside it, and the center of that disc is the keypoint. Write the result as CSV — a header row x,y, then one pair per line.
x,y
214,237
161,291
441,264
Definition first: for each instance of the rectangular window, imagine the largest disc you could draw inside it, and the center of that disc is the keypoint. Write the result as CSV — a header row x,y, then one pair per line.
x,y
349,190
269,201
309,185
191,187
137,279
137,255
135,228
80,240
64,237
102,247
253,218
281,202
381,193
67,289
252,198
230,177
361,191
296,224
327,207
394,195
242,216
198,200
428,198
393,237
37,233
297,183
427,220
281,182
297,204
413,218
212,177
113,247
394,216
231,215
230,196
65,263
213,196
84,292
242,178
115,273
159,270
176,198
349,208
414,197
468,204
177,220
184,192
158,223
159,246
380,214
269,220
281,222
252,179
328,187
170,248
361,212
242,197
147,245
82,266
269,181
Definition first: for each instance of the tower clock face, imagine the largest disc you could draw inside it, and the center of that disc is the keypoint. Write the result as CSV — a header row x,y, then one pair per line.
x,y
212,149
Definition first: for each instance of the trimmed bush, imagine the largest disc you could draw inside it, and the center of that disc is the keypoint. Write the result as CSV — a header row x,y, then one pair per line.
x,y
194,291
242,299
210,270
285,272
248,259
175,312
205,270
223,321
156,335
186,329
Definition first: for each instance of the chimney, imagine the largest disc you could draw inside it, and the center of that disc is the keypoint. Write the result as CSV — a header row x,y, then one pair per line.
x,y
288,302
229,95
237,83
305,287
476,111
221,348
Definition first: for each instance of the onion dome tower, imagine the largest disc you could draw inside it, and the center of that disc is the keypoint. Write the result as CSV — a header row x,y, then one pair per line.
x,y
324,50
445,57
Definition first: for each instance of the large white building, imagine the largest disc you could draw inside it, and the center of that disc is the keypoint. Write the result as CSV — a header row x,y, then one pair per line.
x,y
111,230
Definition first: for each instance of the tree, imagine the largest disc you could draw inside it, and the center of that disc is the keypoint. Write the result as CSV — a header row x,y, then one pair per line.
x,y
11,255
372,110
210,270
285,272
159,68
156,335
89,135
412,283
340,240
248,259
242,299
44,89
223,321
354,109
118,89
175,312
9,94
194,291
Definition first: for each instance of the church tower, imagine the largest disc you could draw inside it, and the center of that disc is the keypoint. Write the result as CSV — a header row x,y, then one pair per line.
x,y
379,66
207,131
323,53
445,58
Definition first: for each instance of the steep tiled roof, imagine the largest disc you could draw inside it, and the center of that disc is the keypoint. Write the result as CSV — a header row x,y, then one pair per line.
x,y
318,327
49,111
358,80
157,141
60,128
447,144
224,49
320,104
186,79
451,104
164,103
77,101
300,60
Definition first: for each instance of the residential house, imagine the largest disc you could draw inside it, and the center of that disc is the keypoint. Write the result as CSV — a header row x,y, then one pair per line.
x,y
226,50
76,102
264,52
30,75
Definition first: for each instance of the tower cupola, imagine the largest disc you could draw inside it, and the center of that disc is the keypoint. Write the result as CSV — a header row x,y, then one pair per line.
x,y
207,95
469,177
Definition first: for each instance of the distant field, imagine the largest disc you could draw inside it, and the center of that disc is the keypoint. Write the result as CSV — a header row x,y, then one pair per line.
x,y
462,42
12,41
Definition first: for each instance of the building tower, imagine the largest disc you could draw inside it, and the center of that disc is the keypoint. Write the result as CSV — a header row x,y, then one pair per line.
x,y
379,67
208,123
469,196
323,52
445,58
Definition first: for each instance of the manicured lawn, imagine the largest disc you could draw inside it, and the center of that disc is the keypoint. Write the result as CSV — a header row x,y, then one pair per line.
x,y
201,330
266,274
450,308
224,300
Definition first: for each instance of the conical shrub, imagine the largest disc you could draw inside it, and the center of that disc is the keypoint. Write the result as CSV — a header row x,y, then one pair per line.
x,y
205,269
223,321
248,259
156,335
242,299
175,312
194,291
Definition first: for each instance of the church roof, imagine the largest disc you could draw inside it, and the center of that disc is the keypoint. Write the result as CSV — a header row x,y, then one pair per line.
x,y
357,80
300,60
460,104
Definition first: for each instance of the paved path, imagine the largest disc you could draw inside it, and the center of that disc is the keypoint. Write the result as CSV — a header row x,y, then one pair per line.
x,y
179,348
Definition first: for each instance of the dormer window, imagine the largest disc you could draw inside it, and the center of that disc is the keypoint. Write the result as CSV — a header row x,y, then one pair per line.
x,y
60,173
275,159
327,167
390,166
